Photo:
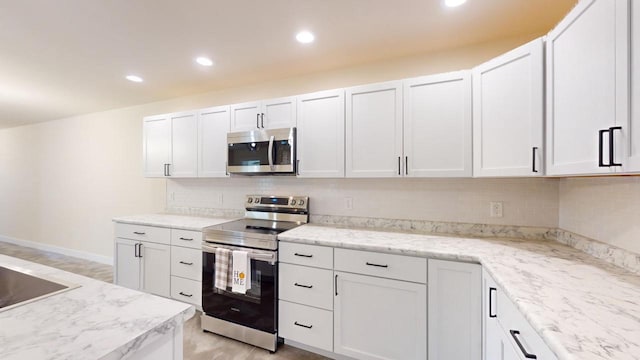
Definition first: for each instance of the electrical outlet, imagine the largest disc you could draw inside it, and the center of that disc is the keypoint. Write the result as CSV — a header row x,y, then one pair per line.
x,y
495,209
348,203
173,196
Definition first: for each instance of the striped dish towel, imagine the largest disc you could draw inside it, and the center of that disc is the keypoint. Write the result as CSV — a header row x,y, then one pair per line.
x,y
223,268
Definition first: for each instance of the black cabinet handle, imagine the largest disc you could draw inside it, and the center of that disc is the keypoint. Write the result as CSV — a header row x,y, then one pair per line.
x,y
533,163
524,351
601,149
336,284
165,170
186,263
138,233
297,167
183,294
303,286
258,121
135,250
491,290
406,165
399,165
140,250
262,120
303,255
186,239
377,265
302,325
611,146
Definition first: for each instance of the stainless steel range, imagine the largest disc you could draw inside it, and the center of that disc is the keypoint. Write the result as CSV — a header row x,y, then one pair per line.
x,y
250,316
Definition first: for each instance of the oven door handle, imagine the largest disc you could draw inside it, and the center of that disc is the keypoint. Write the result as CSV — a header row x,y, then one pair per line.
x,y
270,257
271,139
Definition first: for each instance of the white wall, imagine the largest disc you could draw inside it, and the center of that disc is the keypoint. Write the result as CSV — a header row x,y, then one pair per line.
x,y
602,208
62,181
527,202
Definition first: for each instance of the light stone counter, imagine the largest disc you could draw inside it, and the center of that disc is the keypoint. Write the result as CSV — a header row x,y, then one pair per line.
x,y
97,320
174,221
583,307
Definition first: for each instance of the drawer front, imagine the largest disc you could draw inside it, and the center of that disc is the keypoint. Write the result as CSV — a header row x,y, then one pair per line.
x,y
143,233
186,263
189,291
307,255
186,238
390,266
510,320
306,285
306,325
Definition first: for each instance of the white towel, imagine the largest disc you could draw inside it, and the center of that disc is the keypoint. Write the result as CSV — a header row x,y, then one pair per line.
x,y
241,272
223,268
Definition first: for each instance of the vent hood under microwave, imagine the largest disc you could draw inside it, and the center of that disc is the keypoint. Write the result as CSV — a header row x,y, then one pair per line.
x,y
262,152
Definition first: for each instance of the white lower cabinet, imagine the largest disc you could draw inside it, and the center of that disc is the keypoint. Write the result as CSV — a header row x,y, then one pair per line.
x,y
306,325
379,318
455,314
154,260
507,334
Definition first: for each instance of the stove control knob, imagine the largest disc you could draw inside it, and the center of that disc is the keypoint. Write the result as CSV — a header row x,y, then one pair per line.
x,y
250,200
257,200
301,202
293,202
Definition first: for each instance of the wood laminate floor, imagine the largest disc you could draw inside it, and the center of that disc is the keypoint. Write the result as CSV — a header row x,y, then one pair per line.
x,y
198,345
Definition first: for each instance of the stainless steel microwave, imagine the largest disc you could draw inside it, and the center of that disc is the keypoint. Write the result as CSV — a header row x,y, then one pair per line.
x,y
262,152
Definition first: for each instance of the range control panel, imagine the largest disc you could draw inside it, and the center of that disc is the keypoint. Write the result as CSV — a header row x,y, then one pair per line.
x,y
300,203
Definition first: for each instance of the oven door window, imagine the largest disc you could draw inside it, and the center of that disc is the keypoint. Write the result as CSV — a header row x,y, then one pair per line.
x,y
255,309
249,154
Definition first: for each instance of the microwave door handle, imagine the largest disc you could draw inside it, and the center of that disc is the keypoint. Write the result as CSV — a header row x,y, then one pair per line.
x,y
271,139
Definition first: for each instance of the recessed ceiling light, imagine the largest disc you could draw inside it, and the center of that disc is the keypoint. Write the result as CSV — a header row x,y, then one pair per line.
x,y
305,37
204,61
134,78
454,3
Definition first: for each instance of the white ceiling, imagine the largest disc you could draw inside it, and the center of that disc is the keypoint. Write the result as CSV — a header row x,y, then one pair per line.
x,y
67,57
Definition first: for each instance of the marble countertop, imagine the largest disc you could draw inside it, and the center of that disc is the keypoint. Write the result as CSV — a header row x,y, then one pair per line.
x,y
174,221
96,320
583,307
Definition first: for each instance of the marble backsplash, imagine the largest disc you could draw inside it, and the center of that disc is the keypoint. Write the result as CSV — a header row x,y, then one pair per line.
x,y
609,253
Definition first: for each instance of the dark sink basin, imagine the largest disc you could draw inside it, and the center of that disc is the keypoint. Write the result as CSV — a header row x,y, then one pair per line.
x,y
17,287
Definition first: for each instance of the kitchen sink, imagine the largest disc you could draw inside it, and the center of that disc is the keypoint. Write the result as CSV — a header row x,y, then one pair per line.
x,y
18,288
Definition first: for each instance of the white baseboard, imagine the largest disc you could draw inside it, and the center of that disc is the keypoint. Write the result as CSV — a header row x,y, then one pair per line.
x,y
60,250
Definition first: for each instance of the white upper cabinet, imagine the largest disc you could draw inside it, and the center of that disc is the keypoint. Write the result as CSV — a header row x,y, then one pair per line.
x,y
374,130
267,114
632,140
437,125
170,146
213,126
588,88
184,145
156,145
508,113
321,134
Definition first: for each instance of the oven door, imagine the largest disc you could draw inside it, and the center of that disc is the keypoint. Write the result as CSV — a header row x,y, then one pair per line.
x,y
255,309
262,151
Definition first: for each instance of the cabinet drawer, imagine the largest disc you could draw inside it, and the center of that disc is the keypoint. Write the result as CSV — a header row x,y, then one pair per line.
x,y
187,238
186,290
186,263
306,325
510,319
308,255
406,268
143,233
306,285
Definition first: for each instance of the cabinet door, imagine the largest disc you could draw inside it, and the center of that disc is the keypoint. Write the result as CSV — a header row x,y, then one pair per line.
x,y
278,113
156,145
587,85
155,269
321,134
455,313
437,125
245,116
184,145
491,330
508,107
632,140
374,130
213,126
127,264
378,318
